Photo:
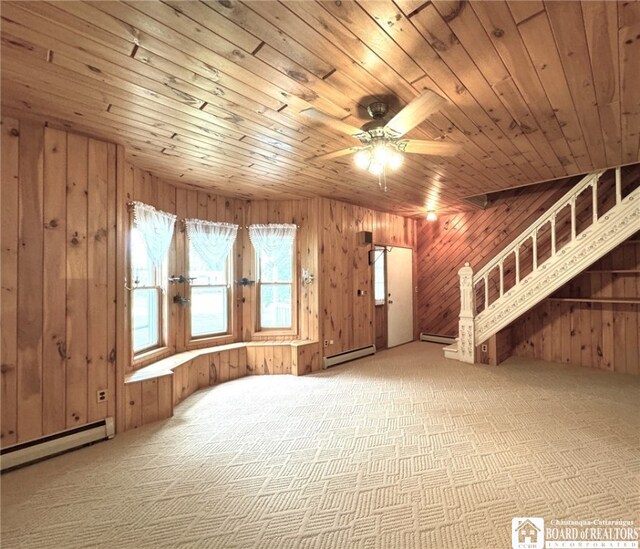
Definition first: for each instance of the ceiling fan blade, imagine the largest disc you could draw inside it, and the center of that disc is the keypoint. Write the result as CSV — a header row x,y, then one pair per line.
x,y
415,112
436,148
335,154
334,123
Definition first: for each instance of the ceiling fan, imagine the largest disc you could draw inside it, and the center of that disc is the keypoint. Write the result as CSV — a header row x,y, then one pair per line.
x,y
381,143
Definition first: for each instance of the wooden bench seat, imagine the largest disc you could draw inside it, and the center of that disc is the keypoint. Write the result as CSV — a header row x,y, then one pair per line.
x,y
152,391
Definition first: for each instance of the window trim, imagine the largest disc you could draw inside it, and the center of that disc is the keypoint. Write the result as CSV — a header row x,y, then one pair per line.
x,y
277,331
195,340
160,275
160,302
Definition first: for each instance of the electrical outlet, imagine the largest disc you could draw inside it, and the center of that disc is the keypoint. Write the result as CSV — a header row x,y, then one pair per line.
x,y
326,342
102,395
484,348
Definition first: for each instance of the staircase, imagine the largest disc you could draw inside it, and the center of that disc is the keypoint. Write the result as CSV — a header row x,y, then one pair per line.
x,y
478,323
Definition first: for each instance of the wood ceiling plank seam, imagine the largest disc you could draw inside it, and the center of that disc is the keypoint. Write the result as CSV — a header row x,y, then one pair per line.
x,y
403,32
449,48
43,98
570,38
629,44
473,154
213,88
248,19
601,27
123,119
77,26
514,164
504,35
200,67
157,47
538,39
173,31
11,42
354,18
205,28
315,42
74,114
525,9
468,30
393,24
170,80
89,13
107,91
333,30
71,51
287,67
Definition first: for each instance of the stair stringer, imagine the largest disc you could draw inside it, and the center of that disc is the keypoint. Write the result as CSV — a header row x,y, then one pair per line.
x,y
610,230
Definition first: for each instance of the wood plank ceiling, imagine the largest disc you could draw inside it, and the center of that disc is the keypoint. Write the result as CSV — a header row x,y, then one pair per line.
x,y
210,93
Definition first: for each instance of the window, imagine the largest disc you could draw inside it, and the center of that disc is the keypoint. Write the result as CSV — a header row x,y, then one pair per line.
x,y
146,296
274,245
378,276
210,269
150,238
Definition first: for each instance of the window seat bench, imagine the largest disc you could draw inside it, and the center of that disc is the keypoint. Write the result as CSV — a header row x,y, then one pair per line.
x,y
152,392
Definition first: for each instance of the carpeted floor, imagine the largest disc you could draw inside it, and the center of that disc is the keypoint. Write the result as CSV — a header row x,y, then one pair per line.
x,y
403,449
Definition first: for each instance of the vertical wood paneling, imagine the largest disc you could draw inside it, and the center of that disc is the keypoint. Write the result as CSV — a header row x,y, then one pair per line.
x,y
113,258
30,289
596,335
347,317
9,283
97,260
77,282
58,322
55,291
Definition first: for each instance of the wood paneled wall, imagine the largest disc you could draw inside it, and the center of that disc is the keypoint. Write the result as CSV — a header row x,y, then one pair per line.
x,y
58,280
65,317
446,244
598,335
347,318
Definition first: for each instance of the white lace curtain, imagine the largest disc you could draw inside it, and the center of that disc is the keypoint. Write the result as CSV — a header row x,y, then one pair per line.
x,y
271,240
212,241
156,227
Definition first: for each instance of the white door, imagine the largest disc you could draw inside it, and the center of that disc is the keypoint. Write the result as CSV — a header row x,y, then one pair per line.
x,y
399,296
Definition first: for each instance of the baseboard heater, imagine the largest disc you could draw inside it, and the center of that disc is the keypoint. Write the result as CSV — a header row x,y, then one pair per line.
x,y
334,360
58,443
434,338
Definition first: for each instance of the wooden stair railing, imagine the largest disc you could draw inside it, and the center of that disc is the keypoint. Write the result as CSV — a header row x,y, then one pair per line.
x,y
605,233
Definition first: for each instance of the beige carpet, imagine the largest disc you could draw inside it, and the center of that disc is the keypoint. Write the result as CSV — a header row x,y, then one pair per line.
x,y
404,449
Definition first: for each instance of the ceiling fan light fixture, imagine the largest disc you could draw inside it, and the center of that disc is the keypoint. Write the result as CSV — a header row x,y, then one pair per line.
x,y
362,159
395,160
376,168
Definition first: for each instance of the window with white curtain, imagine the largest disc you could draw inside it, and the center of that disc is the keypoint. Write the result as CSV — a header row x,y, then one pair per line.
x,y
150,238
274,245
210,268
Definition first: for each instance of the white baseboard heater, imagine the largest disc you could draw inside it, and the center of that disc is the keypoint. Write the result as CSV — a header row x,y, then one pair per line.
x,y
434,338
58,443
334,360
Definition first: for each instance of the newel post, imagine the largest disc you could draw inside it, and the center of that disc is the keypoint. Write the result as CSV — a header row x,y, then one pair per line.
x,y
467,337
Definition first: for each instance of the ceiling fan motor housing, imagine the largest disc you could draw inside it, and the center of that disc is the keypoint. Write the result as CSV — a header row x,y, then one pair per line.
x,y
378,110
